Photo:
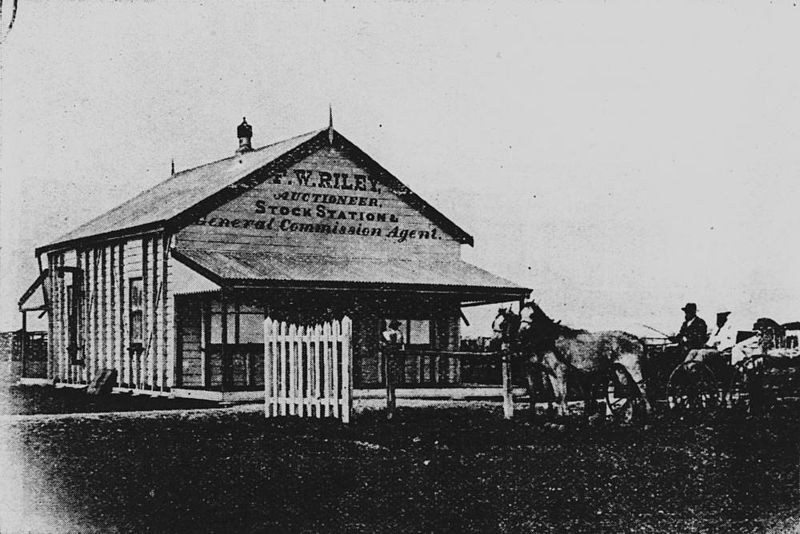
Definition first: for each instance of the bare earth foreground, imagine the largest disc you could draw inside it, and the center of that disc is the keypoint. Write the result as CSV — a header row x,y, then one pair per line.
x,y
451,467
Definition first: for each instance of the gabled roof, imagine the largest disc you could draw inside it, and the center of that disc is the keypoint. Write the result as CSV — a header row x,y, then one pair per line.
x,y
178,200
179,192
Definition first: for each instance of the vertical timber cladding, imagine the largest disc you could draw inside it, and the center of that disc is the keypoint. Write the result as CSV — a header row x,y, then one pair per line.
x,y
54,341
145,259
132,268
104,318
59,369
168,323
326,204
121,344
51,350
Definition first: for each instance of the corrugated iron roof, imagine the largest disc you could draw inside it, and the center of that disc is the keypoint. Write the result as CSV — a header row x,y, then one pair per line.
x,y
186,281
193,190
252,268
183,190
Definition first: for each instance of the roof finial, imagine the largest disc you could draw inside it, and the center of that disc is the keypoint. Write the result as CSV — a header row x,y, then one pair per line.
x,y
173,166
330,124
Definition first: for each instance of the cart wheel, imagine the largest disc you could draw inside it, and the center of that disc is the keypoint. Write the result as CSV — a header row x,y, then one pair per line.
x,y
620,395
692,387
753,382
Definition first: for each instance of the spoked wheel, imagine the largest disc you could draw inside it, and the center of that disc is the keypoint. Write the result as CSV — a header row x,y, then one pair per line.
x,y
748,390
692,387
621,395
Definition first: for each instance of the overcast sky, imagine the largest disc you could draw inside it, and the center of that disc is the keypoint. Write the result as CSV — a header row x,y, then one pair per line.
x,y
621,158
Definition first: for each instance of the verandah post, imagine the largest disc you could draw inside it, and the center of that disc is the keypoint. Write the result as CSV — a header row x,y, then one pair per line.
x,y
508,394
224,352
388,356
24,344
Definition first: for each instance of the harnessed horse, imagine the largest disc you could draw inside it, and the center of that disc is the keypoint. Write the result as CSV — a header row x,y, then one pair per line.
x,y
591,358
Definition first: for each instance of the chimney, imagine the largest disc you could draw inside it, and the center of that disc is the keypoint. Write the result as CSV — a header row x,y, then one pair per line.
x,y
245,133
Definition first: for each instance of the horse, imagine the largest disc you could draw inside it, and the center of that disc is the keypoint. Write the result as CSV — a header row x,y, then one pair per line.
x,y
504,339
593,358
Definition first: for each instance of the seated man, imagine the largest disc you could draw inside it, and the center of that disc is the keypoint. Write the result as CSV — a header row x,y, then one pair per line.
x,y
718,345
693,333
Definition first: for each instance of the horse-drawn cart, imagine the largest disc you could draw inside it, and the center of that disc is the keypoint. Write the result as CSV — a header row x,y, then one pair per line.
x,y
635,372
752,381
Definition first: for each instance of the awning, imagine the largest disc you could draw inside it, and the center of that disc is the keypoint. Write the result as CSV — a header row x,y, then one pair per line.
x,y
249,269
187,281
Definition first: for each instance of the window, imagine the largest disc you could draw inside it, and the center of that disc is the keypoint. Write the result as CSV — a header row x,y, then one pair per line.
x,y
251,328
416,332
136,323
419,332
250,321
216,328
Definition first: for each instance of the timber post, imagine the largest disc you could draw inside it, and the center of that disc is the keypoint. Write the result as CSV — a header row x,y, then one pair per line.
x,y
391,401
24,343
225,356
508,394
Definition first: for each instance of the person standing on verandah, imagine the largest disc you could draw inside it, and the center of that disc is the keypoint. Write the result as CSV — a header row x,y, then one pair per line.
x,y
392,336
391,342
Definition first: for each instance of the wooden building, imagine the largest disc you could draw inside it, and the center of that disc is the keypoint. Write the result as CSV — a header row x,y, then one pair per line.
x,y
171,288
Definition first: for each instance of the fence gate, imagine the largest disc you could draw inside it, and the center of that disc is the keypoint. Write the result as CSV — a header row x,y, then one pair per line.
x,y
308,370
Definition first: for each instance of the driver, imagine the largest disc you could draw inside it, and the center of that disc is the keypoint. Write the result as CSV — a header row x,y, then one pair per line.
x,y
694,332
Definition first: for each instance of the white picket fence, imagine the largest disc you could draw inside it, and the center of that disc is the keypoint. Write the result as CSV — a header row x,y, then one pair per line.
x,y
308,370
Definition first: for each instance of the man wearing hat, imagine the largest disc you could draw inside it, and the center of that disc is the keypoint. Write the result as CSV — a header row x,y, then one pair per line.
x,y
694,332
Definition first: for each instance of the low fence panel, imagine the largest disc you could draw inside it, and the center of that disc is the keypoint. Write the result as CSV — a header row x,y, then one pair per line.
x,y
308,369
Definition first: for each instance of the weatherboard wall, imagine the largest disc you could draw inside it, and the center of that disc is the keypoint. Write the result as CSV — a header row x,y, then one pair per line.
x,y
324,205
104,329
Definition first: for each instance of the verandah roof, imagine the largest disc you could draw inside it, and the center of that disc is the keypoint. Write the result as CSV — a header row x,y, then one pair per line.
x,y
246,268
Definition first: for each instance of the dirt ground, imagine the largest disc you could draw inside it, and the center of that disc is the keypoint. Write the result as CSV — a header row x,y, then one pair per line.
x,y
448,467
